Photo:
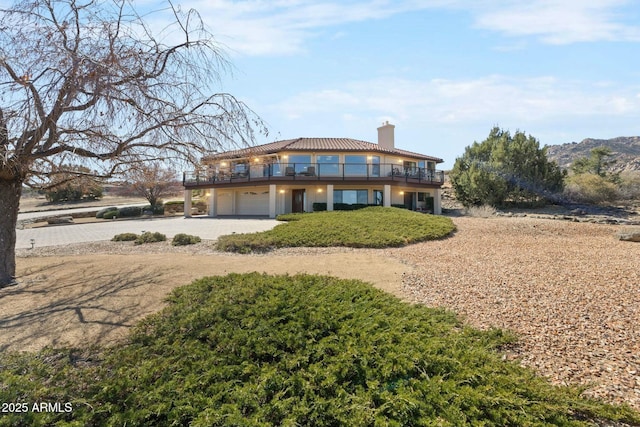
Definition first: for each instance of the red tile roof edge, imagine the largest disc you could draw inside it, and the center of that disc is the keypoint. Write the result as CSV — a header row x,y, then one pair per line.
x,y
316,144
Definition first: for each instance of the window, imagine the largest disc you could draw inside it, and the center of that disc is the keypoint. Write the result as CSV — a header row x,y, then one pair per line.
x,y
355,165
351,196
409,167
239,169
300,162
240,166
328,165
375,166
378,197
422,196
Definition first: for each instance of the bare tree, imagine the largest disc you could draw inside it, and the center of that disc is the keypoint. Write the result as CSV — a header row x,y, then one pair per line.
x,y
152,181
89,83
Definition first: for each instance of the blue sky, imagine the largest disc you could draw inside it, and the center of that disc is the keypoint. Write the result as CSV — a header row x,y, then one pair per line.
x,y
443,71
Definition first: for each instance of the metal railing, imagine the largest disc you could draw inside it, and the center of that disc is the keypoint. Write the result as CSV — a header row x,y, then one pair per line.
x,y
311,171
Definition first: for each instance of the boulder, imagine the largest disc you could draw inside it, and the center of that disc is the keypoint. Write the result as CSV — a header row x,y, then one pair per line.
x,y
60,220
629,235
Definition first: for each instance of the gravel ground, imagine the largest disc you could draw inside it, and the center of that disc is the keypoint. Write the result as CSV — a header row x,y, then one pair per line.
x,y
571,291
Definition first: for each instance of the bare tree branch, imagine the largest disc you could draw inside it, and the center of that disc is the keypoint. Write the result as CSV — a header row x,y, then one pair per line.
x,y
91,84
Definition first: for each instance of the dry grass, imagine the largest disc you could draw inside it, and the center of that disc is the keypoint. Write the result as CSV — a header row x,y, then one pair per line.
x,y
484,211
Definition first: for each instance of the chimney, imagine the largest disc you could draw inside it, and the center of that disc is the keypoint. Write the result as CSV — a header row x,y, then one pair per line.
x,y
385,135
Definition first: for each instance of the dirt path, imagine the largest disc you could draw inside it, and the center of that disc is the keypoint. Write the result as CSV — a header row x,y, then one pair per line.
x,y
95,299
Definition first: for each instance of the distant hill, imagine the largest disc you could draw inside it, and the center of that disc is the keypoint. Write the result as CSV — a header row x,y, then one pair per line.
x,y
626,152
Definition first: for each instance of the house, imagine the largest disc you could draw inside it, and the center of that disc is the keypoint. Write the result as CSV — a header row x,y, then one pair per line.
x,y
307,174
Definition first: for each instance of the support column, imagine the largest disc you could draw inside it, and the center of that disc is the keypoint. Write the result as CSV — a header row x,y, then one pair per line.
x,y
272,200
213,194
437,203
386,197
187,203
329,197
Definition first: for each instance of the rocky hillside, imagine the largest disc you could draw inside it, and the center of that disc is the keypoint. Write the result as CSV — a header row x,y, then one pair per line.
x,y
626,151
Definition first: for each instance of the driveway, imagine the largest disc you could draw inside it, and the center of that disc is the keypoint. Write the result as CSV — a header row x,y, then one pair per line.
x,y
205,227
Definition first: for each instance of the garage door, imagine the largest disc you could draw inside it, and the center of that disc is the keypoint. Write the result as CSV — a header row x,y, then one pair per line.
x,y
252,202
225,203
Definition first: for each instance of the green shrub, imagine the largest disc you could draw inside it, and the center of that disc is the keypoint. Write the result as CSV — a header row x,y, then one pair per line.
x,y
149,237
101,212
371,227
125,237
258,350
154,210
183,239
129,211
319,207
110,214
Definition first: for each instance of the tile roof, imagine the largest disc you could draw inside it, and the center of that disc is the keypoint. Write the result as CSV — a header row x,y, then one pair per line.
x,y
318,144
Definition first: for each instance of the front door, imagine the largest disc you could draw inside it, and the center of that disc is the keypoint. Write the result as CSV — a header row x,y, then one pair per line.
x,y
297,201
409,200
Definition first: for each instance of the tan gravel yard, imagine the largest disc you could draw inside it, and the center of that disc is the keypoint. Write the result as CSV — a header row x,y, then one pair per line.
x,y
571,291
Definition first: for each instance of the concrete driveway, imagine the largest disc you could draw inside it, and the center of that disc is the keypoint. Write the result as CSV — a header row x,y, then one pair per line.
x,y
205,227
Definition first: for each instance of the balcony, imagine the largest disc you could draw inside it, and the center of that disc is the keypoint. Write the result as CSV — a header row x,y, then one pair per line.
x,y
324,172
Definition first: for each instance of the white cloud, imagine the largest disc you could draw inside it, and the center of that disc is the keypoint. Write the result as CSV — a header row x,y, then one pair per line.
x,y
559,21
283,27
493,98
262,27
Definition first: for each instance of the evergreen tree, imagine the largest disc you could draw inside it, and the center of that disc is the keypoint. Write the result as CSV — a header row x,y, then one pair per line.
x,y
505,168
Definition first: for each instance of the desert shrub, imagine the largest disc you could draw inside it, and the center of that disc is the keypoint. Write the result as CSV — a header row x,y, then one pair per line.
x,y
629,186
101,212
201,206
149,237
129,211
590,188
173,206
125,237
74,192
183,239
484,211
111,214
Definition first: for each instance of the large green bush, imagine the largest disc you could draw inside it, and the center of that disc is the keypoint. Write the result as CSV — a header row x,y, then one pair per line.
x,y
505,169
110,214
371,227
101,212
154,210
258,350
129,211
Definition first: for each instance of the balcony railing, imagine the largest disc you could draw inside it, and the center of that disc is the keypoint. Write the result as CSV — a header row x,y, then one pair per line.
x,y
314,171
